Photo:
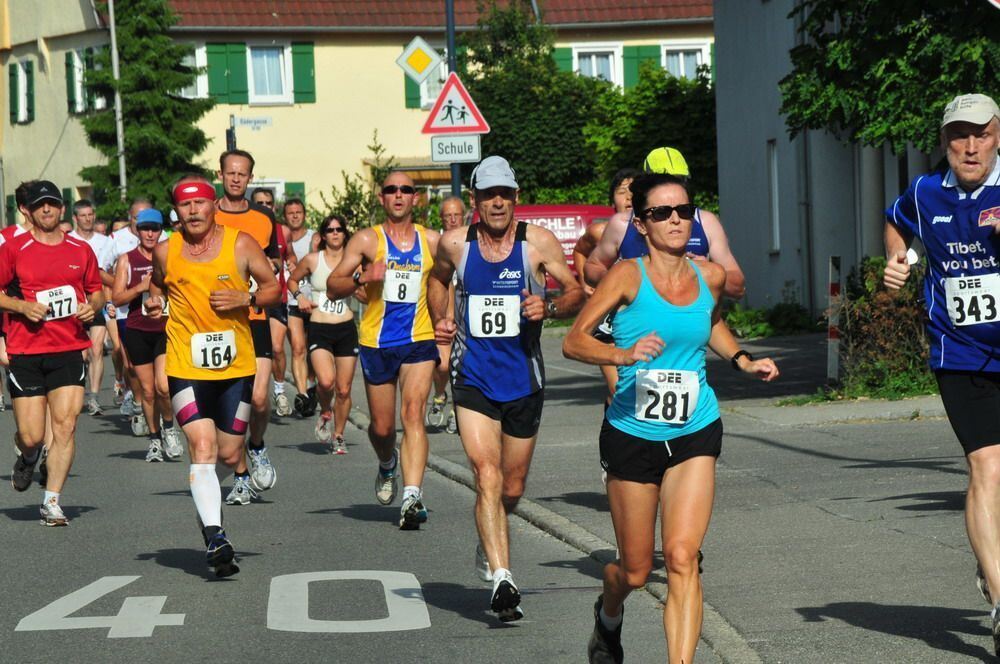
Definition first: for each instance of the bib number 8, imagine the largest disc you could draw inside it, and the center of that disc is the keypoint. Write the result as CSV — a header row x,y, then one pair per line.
x,y
401,286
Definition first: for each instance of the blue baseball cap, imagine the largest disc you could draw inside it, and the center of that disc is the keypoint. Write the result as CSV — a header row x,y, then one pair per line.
x,y
149,217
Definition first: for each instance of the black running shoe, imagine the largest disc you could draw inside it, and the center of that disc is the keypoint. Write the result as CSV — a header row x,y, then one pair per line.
x,y
312,402
995,620
506,599
301,404
43,468
220,555
605,645
20,477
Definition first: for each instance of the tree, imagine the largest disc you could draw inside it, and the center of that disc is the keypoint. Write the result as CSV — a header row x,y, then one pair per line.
x,y
357,202
881,72
162,138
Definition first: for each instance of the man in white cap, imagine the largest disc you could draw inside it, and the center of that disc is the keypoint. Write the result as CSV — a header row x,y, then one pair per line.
x,y
496,363
956,214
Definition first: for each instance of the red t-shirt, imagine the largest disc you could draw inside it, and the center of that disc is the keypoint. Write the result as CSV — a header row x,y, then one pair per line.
x,y
40,270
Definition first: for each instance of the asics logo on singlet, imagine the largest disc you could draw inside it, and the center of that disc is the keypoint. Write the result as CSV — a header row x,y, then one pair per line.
x,y
507,273
941,219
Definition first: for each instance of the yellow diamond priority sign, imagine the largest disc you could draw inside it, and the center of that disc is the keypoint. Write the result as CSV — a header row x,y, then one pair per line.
x,y
419,60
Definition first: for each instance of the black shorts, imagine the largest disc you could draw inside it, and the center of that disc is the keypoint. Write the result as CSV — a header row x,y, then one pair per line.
x,y
37,375
972,402
340,339
260,330
279,313
298,313
144,347
519,418
100,319
226,402
639,460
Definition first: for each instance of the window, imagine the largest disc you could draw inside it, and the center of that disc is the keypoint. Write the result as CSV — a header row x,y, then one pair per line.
x,y
682,59
76,94
270,74
432,85
21,80
772,195
196,59
599,61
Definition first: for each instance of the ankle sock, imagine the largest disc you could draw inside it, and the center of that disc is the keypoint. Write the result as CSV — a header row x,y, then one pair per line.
x,y
610,623
51,495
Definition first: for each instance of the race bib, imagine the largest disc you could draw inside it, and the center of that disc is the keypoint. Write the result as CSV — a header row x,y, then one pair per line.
x,y
328,306
973,300
213,350
166,305
253,285
665,395
61,302
494,315
401,286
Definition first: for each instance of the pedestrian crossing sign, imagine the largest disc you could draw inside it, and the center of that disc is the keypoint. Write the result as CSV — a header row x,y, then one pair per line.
x,y
454,112
419,60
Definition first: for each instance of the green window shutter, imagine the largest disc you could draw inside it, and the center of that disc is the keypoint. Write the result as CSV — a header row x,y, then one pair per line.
x,y
295,190
70,82
12,91
218,81
11,209
412,90
219,190
711,56
67,195
29,76
563,58
239,89
650,53
303,73
630,65
88,66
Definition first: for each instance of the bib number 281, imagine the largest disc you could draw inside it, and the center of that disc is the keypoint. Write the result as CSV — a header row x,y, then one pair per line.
x,y
213,350
665,396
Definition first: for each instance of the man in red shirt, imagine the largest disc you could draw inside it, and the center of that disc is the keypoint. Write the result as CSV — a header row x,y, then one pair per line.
x,y
59,289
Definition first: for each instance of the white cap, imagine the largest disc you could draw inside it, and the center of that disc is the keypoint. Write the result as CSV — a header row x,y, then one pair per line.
x,y
977,109
491,172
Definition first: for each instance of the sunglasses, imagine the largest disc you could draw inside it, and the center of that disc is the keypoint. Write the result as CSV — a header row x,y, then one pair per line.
x,y
390,189
333,229
663,212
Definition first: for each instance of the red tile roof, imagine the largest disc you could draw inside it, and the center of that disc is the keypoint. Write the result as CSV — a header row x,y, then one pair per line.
x,y
367,14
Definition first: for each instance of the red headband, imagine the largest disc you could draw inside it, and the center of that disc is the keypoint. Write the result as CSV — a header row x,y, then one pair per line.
x,y
185,191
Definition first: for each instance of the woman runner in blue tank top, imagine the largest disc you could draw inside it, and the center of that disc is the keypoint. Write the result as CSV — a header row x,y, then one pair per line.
x,y
662,434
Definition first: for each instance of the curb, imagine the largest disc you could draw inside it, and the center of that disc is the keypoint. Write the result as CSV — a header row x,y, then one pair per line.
x,y
718,633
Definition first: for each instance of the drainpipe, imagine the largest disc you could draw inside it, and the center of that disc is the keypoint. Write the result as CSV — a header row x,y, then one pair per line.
x,y
805,195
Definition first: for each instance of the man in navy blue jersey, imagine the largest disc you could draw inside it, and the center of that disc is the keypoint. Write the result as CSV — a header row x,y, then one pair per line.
x,y
956,214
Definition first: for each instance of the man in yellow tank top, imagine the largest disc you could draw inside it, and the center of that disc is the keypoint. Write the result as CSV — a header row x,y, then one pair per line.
x,y
204,271
397,339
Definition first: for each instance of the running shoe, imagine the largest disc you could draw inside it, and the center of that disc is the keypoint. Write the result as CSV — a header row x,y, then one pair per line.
x,y
52,514
43,468
128,406
436,413
301,404
412,513
386,483
262,473
155,451
483,564
20,477
339,446
995,616
93,408
324,427
312,401
3,404
242,492
172,446
282,407
119,394
139,426
220,555
984,587
605,646
506,598
452,425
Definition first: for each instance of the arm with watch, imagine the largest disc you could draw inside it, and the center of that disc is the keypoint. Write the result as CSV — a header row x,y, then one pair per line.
x,y
724,344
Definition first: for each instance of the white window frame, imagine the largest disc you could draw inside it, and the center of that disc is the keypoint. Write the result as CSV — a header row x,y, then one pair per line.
x,y
704,49
276,186
201,80
773,195
426,100
79,90
271,100
617,62
22,93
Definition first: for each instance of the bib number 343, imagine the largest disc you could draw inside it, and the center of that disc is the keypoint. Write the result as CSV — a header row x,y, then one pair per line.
x,y
973,300
665,395
213,350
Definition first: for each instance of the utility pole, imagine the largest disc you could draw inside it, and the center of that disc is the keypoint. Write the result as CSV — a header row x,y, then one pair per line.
x,y
449,9
119,126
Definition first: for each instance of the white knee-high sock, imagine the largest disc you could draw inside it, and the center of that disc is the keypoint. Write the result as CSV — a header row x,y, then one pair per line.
x,y
207,493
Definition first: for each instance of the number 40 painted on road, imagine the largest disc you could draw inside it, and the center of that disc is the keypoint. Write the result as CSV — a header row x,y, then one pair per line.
x,y
287,607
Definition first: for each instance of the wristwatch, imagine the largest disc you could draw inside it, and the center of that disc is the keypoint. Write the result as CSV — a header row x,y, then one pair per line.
x,y
253,300
357,278
551,309
296,294
735,359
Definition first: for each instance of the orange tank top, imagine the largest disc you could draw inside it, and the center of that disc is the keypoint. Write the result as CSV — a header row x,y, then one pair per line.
x,y
256,222
203,344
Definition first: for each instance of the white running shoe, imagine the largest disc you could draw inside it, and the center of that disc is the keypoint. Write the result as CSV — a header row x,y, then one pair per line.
x,y
155,451
452,425
52,514
242,492
386,482
324,427
139,425
263,476
506,601
172,446
436,413
128,406
119,394
482,565
339,446
282,406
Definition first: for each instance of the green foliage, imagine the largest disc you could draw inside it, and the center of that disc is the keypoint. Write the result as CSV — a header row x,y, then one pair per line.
x,y
781,319
162,138
594,192
748,323
357,200
659,110
881,72
883,343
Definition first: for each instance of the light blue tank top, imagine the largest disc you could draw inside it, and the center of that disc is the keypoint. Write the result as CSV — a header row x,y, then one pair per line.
x,y
673,397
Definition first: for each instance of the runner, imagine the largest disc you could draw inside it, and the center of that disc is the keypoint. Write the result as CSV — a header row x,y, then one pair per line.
x,y
205,271
58,289
452,216
956,215
278,318
303,241
662,433
235,211
497,372
333,337
145,338
83,217
397,339
708,241
263,196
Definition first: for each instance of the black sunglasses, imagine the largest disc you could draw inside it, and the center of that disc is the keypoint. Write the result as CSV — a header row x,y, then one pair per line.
x,y
663,212
390,189
332,229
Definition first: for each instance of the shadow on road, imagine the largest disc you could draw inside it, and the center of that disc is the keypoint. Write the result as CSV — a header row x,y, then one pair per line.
x,y
950,501
190,561
312,447
594,500
467,602
374,513
30,512
934,625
